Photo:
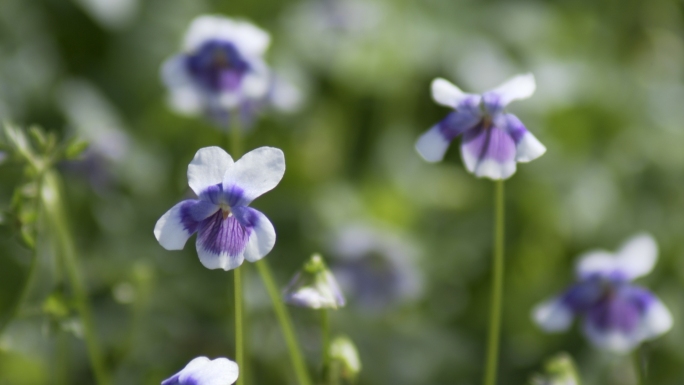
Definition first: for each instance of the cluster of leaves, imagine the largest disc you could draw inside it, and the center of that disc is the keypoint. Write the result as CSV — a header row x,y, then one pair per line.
x,y
37,151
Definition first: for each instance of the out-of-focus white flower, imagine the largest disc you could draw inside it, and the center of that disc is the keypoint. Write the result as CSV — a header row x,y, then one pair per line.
x,y
618,315
376,268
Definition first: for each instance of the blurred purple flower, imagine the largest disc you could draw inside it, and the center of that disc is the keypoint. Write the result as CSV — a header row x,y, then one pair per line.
x,y
618,315
493,141
221,70
203,371
228,230
376,268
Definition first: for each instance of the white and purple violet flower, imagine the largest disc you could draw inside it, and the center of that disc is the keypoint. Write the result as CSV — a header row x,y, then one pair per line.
x,y
493,140
220,70
228,230
203,371
618,315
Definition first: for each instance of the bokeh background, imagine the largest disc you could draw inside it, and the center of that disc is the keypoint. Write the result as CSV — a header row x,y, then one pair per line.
x,y
410,241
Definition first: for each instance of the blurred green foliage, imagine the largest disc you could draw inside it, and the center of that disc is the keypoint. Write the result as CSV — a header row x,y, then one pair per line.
x,y
608,107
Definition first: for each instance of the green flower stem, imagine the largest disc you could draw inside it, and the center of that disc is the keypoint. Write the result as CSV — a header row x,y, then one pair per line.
x,y
14,311
639,366
57,221
235,145
497,287
239,340
285,322
325,336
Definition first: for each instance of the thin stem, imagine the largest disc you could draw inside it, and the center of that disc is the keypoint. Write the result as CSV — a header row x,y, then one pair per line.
x,y
235,144
239,340
639,366
56,216
24,292
285,322
497,287
325,337
28,281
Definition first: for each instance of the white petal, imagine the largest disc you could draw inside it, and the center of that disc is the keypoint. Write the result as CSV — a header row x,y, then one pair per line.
x,y
208,168
516,88
446,94
192,366
257,172
196,363
595,262
657,320
263,236
529,148
553,315
186,101
248,39
612,340
256,84
170,231
220,371
212,261
432,145
489,168
637,256
174,73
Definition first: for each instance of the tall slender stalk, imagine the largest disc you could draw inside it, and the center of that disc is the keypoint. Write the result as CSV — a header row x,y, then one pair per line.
x,y
264,269
325,337
235,145
497,287
639,366
14,311
285,323
57,220
239,340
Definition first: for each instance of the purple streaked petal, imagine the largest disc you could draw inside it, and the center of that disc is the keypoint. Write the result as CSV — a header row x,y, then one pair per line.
x,y
489,151
177,225
257,172
624,317
262,235
216,66
517,88
492,103
528,148
553,315
208,168
221,241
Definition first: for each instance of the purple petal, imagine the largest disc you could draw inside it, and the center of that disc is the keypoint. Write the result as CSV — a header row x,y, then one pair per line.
x,y
262,234
489,151
177,225
528,147
616,322
492,102
221,241
217,66
433,144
